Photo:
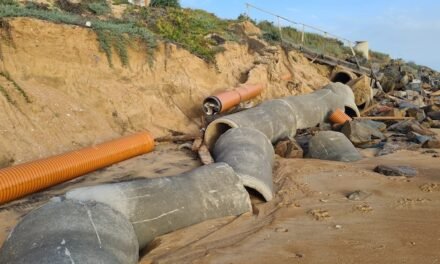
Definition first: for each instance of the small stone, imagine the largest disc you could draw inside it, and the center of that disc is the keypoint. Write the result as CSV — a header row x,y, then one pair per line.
x,y
281,230
432,143
299,255
289,148
338,226
388,170
358,195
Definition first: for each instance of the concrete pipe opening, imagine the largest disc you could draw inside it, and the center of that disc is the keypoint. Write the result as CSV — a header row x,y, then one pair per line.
x,y
350,112
342,77
216,129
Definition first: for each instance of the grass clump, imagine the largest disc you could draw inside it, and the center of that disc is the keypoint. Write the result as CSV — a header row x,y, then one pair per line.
x,y
8,2
165,3
90,7
191,29
120,2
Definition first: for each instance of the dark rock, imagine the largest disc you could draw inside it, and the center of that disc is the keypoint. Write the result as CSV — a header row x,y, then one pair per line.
x,y
434,115
392,145
416,137
388,170
330,145
360,132
289,148
410,125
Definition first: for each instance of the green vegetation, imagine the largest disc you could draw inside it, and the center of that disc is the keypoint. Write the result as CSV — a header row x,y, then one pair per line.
x,y
17,87
186,27
165,3
99,8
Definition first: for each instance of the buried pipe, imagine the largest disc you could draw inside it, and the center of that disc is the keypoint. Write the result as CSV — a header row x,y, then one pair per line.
x,y
18,181
109,223
280,118
342,75
72,232
224,101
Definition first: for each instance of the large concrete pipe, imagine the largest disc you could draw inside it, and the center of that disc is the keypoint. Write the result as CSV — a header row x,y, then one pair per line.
x,y
72,232
251,155
224,101
280,118
161,205
109,223
27,178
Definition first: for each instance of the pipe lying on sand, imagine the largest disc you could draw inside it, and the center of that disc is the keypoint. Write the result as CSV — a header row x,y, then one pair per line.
x,y
280,118
224,101
109,223
242,148
18,181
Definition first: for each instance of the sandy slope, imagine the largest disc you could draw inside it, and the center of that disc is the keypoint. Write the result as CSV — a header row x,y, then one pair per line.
x,y
77,99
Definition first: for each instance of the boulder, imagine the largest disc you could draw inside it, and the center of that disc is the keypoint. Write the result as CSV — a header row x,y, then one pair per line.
x,y
331,145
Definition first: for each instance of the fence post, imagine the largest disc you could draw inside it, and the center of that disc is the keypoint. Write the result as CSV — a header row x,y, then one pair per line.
x,y
302,34
279,28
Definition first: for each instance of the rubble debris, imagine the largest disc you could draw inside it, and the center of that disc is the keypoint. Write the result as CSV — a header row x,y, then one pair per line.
x,y
410,125
389,170
289,148
331,145
362,131
394,144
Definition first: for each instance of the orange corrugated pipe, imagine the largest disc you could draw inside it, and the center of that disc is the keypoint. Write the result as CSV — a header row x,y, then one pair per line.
x,y
18,181
339,117
224,101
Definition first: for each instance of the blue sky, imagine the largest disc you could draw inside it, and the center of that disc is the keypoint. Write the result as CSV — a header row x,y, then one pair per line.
x,y
402,28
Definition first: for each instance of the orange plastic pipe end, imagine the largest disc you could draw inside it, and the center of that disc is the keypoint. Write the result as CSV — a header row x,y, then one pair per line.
x,y
339,117
18,181
224,101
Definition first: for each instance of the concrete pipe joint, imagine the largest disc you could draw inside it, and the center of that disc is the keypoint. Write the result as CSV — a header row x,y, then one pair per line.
x,y
280,118
251,155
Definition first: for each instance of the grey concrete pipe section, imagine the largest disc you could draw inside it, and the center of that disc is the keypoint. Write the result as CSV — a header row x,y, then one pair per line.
x,y
280,118
251,155
161,205
72,232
